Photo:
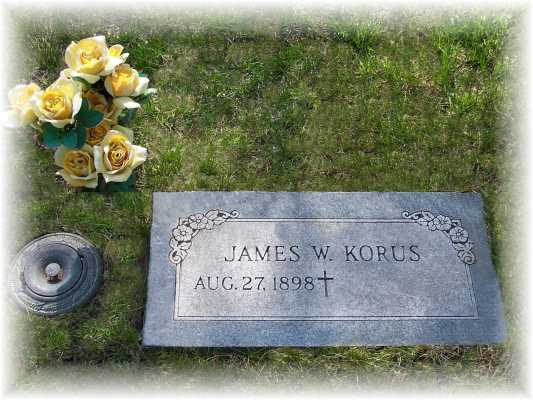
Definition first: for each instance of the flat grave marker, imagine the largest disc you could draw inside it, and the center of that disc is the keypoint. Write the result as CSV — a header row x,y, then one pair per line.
x,y
320,269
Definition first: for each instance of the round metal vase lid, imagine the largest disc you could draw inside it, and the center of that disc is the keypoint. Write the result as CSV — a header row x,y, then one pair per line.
x,y
55,273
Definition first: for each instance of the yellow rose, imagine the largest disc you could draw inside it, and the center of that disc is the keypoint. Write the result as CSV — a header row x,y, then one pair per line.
x,y
97,101
111,111
21,113
78,166
90,58
125,81
115,157
96,134
59,103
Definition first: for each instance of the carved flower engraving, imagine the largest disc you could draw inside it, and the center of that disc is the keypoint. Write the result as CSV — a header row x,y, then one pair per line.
x,y
440,223
179,249
458,235
182,233
200,221
187,228
451,228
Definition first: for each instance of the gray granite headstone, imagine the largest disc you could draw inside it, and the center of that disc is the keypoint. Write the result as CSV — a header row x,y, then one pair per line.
x,y
320,269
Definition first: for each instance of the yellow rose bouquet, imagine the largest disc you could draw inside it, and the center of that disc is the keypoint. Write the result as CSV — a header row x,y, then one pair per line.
x,y
85,114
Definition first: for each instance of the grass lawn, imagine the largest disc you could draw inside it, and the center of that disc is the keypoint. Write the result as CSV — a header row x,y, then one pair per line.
x,y
270,103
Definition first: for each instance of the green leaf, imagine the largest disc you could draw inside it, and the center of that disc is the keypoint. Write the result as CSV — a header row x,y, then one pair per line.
x,y
75,138
92,118
143,99
111,187
127,116
84,105
82,136
52,136
89,118
70,139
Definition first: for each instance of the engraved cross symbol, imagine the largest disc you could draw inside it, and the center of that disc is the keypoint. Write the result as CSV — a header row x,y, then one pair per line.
x,y
325,279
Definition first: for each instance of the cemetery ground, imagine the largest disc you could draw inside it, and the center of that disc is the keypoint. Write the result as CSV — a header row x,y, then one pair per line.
x,y
274,104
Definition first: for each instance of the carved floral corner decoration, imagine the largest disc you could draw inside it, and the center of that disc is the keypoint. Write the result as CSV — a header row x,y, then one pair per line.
x,y
188,228
451,228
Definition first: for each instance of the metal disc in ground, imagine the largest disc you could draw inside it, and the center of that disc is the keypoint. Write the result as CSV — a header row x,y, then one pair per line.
x,y
55,273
